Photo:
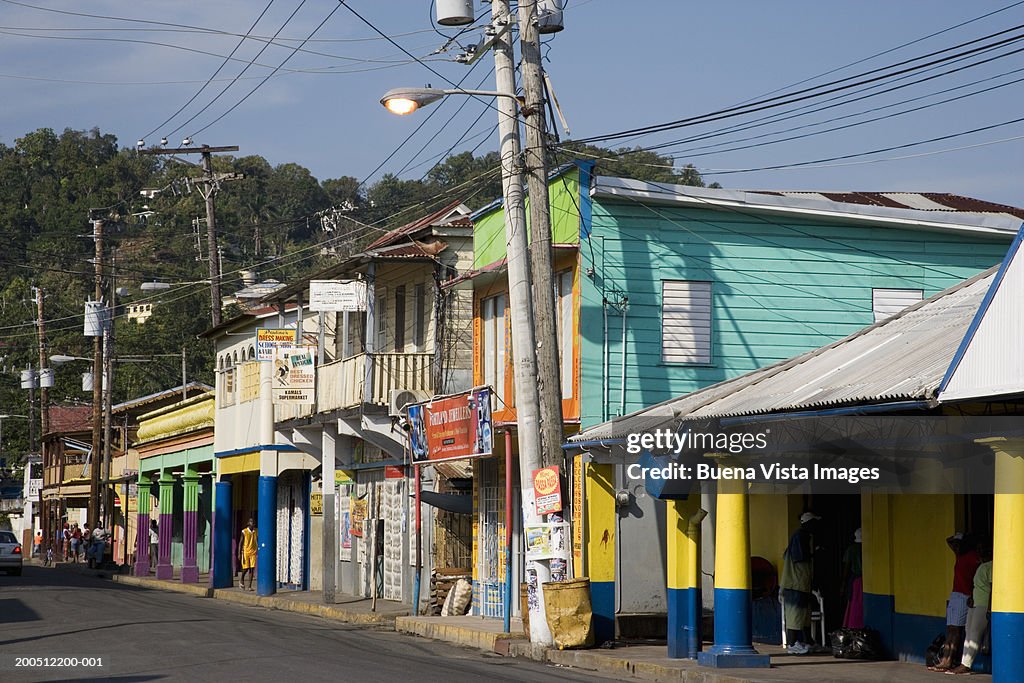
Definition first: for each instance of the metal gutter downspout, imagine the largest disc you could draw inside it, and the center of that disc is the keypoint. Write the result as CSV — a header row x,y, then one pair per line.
x,y
622,378
604,373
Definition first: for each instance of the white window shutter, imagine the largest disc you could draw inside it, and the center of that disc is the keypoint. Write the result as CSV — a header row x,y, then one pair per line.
x,y
886,303
685,321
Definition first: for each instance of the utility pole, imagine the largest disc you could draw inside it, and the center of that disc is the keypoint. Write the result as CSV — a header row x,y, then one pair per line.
x,y
108,391
521,306
210,184
44,391
549,379
97,379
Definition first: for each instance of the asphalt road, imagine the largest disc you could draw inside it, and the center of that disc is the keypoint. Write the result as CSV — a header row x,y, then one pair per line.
x,y
147,635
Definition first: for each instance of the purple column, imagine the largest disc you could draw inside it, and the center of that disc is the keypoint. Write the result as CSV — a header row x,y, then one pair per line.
x,y
189,568
142,528
163,564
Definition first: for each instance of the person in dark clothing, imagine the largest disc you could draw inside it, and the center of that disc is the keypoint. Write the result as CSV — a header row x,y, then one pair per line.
x,y
797,584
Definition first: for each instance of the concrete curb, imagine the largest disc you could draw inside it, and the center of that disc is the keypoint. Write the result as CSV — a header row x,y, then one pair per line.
x,y
455,634
190,588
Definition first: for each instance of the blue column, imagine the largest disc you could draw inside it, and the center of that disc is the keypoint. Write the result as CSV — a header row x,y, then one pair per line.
x,y
266,551
733,645
222,575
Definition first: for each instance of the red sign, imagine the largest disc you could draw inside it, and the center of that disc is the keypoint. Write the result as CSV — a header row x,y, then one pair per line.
x,y
453,427
547,490
394,472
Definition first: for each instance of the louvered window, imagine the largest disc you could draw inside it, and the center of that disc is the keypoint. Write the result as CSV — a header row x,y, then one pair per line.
x,y
685,321
886,303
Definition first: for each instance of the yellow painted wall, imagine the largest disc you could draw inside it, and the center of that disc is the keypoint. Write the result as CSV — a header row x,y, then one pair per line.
x,y
922,563
876,525
773,518
599,533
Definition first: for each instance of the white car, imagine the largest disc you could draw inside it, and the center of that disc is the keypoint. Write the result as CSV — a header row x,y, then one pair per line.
x,y
10,553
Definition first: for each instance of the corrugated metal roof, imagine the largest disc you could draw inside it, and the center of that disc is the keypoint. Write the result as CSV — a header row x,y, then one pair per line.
x,y
437,218
902,358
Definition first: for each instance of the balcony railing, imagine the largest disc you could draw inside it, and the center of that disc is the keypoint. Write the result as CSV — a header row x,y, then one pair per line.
x,y
341,384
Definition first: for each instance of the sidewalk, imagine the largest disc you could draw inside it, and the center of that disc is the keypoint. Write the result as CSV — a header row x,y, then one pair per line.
x,y
650,662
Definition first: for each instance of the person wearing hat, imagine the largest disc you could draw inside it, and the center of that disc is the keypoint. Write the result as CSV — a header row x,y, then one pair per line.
x,y
853,583
797,584
967,561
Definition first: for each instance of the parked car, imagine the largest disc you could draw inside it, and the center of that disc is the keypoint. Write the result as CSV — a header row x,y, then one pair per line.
x,y
10,553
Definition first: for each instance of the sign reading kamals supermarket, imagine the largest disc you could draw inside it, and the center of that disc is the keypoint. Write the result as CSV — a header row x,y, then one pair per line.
x,y
452,428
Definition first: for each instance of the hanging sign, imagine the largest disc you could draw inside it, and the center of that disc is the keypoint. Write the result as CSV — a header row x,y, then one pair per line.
x,y
452,428
294,374
358,509
343,477
316,504
269,339
547,490
337,295
394,472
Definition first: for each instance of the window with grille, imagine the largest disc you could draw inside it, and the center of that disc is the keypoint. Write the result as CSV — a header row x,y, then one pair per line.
x,y
492,343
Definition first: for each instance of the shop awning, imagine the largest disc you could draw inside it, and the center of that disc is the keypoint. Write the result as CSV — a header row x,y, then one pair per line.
x,y
451,502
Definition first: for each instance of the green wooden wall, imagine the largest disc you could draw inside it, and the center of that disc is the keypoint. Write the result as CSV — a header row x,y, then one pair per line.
x,y
780,287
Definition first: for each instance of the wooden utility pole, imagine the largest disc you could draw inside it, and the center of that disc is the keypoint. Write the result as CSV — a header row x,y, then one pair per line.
x,y
549,379
209,184
97,380
44,392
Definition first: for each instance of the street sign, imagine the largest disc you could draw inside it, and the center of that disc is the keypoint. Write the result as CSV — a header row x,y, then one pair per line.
x,y
337,295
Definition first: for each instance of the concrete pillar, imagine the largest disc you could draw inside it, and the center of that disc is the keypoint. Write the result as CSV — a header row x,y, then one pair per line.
x,y
600,541
330,527
1007,570
189,567
266,549
733,644
164,570
683,580
142,527
222,574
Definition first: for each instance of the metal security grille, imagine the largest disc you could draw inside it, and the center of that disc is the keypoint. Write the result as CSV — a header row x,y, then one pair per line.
x,y
291,527
491,539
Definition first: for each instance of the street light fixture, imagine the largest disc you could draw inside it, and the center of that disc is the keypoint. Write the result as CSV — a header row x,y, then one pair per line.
x,y
404,101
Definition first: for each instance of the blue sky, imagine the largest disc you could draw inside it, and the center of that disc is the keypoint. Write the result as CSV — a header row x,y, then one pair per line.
x,y
618,65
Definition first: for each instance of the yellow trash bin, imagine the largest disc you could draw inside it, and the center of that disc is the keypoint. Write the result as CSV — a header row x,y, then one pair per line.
x,y
568,612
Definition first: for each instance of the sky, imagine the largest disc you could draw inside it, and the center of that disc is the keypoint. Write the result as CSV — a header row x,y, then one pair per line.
x,y
617,66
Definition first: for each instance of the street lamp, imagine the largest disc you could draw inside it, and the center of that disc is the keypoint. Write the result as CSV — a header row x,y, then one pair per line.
x,y
404,101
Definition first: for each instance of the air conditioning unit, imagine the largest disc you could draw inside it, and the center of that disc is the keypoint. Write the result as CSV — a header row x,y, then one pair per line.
x,y
399,398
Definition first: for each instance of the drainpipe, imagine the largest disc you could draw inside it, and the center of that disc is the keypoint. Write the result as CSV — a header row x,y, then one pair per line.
x,y
508,531
622,379
604,372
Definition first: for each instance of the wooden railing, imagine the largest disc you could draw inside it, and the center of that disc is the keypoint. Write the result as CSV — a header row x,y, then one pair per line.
x,y
341,384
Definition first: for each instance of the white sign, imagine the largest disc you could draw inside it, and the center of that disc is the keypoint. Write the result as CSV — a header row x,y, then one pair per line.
x,y
34,486
267,339
294,374
337,295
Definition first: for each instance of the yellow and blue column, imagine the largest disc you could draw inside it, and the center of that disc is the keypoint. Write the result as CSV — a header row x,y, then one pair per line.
x,y
683,580
1007,568
733,646
876,516
600,547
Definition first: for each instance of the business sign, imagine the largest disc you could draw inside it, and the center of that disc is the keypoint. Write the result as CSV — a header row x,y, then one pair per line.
x,y
34,486
294,374
337,295
269,339
316,504
394,472
343,477
547,490
452,428
577,514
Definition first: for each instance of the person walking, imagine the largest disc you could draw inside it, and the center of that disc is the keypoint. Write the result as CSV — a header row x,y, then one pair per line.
x,y
853,583
37,546
247,554
977,611
76,541
65,535
154,544
94,553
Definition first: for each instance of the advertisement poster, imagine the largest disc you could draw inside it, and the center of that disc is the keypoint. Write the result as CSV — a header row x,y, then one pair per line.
x,y
346,530
547,490
577,514
294,374
452,428
546,541
316,504
358,516
269,339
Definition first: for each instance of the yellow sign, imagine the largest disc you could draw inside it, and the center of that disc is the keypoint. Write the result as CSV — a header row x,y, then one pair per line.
x,y
269,339
577,515
316,504
343,477
133,503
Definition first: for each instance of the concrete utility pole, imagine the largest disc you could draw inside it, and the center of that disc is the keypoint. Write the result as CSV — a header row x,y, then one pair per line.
x,y
522,313
97,380
44,392
549,379
210,183
106,501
